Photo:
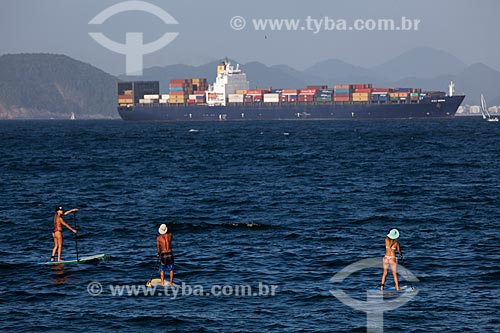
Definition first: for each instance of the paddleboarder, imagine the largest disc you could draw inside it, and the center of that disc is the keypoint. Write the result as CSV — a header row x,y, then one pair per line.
x,y
57,231
164,252
390,260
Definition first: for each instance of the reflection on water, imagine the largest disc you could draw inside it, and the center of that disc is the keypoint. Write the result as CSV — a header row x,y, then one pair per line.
x,y
59,274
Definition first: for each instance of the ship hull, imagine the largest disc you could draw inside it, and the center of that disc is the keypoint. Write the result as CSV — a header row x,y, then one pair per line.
x,y
445,107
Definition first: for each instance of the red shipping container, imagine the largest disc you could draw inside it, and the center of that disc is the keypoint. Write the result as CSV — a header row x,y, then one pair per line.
x,y
191,101
177,93
178,81
341,86
124,96
254,92
363,90
284,98
384,90
176,85
308,91
306,98
289,91
199,92
317,87
341,95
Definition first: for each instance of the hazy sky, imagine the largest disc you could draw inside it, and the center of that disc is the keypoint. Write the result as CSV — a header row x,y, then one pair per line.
x,y
467,28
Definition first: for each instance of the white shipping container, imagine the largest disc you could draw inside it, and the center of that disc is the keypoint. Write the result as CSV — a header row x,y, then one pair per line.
x,y
151,96
145,101
165,96
163,101
235,98
271,98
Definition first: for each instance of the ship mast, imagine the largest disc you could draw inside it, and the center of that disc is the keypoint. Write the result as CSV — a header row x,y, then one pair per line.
x,y
451,88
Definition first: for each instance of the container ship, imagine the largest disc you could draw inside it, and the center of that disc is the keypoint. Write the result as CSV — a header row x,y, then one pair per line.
x,y
229,98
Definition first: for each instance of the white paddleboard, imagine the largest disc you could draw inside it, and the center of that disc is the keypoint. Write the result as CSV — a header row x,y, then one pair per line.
x,y
157,283
74,261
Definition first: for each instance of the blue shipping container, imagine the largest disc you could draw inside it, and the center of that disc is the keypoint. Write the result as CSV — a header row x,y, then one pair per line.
x,y
341,91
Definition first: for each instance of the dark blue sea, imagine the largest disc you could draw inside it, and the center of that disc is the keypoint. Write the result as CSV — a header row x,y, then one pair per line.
x,y
260,204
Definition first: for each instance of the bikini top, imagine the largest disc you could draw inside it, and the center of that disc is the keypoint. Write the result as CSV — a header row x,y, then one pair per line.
x,y
393,247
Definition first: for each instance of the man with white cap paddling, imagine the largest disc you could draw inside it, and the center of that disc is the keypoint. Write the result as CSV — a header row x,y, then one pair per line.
x,y
164,251
391,246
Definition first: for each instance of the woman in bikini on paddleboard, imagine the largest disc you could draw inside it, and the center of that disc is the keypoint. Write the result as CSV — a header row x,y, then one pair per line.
x,y
390,260
57,231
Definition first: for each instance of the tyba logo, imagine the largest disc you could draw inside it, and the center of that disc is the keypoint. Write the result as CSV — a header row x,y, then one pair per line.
x,y
134,49
375,305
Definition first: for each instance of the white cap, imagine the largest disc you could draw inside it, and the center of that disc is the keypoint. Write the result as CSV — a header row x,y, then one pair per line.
x,y
162,229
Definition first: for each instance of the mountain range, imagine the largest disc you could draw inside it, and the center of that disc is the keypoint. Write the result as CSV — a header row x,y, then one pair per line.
x,y
422,67
54,86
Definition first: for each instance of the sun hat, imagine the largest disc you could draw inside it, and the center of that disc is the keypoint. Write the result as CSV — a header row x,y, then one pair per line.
x,y
393,234
163,229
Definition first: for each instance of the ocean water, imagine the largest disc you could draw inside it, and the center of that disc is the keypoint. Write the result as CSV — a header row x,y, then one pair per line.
x,y
285,205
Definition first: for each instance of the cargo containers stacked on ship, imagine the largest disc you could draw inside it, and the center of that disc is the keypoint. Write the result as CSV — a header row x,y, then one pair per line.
x,y
289,95
187,91
306,95
130,93
361,92
126,98
179,89
342,93
200,86
253,96
380,95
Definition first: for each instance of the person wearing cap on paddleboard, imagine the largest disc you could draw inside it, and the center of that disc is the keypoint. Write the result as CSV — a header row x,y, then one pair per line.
x,y
57,231
390,260
164,252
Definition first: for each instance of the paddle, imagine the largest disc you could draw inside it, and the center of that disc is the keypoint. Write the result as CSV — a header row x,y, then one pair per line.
x,y
404,264
155,270
76,237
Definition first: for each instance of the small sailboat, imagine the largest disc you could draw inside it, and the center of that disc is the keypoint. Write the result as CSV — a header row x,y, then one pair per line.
x,y
484,111
72,117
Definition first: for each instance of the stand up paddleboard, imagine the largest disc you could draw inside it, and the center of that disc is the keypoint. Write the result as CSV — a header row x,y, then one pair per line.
x,y
80,260
157,283
391,291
